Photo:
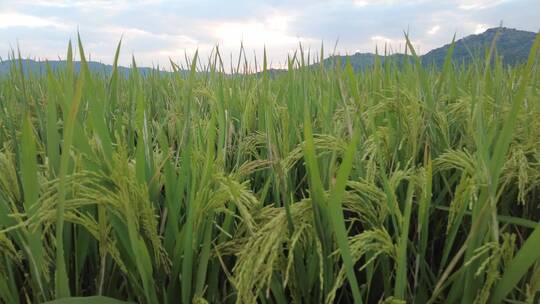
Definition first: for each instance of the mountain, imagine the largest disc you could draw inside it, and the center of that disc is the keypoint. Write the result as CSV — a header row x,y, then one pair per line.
x,y
361,61
40,67
512,45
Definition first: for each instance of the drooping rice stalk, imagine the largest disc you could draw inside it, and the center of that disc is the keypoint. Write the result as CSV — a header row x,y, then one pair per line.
x,y
321,184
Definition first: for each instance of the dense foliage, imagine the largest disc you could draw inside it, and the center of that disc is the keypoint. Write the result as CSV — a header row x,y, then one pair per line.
x,y
313,186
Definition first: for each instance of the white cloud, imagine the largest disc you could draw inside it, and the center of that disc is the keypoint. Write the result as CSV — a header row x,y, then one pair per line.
x,y
363,3
15,19
272,31
478,4
398,44
360,3
480,28
155,30
149,47
382,39
253,33
434,30
391,45
136,33
88,4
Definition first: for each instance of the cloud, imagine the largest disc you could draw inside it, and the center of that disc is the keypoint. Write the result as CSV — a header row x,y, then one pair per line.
x,y
272,31
383,39
132,33
480,28
15,19
478,4
155,30
363,3
90,4
148,47
434,30
388,44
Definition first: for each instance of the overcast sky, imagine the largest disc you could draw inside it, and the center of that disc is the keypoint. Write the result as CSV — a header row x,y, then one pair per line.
x,y
156,30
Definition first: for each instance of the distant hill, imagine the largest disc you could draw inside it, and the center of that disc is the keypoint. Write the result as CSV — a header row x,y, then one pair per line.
x,y
361,61
40,67
512,45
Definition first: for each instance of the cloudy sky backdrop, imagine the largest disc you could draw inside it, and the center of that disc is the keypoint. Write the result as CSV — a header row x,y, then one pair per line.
x,y
156,30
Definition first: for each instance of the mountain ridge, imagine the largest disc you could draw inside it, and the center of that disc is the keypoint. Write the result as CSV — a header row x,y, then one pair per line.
x,y
40,67
513,46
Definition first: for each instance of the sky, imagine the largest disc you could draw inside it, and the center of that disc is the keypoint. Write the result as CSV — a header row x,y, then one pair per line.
x,y
155,31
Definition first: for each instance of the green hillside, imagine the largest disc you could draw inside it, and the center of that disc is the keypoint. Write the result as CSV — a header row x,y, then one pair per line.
x,y
511,44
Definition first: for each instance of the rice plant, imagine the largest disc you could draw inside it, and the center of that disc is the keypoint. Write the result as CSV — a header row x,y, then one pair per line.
x,y
396,184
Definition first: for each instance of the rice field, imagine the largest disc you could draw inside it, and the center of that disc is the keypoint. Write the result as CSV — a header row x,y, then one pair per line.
x,y
396,184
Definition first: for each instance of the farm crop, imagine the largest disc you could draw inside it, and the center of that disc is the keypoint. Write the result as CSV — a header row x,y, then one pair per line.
x,y
398,183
